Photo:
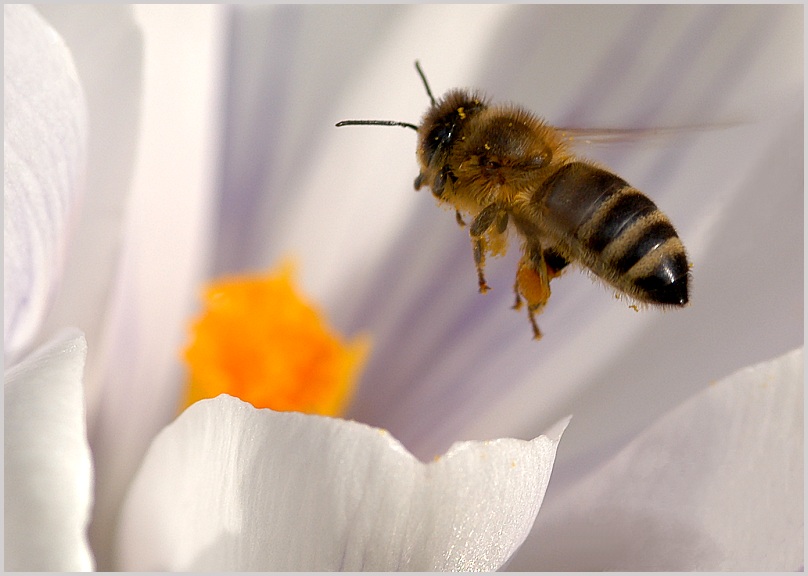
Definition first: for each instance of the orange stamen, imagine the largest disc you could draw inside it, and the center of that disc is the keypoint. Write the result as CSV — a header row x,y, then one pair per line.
x,y
258,340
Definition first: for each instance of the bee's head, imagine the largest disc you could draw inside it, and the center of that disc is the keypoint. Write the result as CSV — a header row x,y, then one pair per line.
x,y
443,123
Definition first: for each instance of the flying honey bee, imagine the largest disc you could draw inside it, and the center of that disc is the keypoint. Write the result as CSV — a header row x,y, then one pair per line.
x,y
503,166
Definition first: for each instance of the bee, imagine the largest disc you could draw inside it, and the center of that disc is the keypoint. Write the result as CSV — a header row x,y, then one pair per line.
x,y
506,168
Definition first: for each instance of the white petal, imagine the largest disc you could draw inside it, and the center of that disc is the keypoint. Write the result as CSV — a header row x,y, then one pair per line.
x,y
164,252
107,48
48,472
229,487
716,485
44,141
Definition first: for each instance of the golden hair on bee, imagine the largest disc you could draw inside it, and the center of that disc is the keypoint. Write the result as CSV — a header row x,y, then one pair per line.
x,y
503,167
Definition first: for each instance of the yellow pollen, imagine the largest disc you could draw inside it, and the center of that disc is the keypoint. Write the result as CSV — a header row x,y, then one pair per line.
x,y
258,340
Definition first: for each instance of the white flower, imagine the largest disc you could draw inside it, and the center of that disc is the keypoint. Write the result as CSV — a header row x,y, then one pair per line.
x,y
48,472
233,487
269,174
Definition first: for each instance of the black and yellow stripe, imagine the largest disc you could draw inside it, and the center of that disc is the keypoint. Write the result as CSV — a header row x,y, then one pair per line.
x,y
617,232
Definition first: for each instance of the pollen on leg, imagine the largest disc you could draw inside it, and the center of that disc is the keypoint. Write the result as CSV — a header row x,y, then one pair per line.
x,y
257,339
535,289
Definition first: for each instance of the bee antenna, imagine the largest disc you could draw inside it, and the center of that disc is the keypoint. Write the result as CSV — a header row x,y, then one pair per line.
x,y
377,123
426,84
393,122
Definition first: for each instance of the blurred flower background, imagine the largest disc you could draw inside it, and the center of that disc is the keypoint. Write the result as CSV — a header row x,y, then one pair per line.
x,y
212,150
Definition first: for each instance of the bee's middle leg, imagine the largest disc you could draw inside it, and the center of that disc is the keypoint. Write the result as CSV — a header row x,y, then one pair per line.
x,y
478,245
482,222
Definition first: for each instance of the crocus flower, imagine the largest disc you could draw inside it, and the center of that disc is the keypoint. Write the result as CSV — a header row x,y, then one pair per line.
x,y
233,487
657,469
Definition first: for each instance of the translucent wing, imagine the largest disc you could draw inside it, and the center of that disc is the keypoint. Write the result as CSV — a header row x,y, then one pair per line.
x,y
607,136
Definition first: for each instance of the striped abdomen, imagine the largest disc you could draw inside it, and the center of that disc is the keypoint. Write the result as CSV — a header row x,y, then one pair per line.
x,y
617,232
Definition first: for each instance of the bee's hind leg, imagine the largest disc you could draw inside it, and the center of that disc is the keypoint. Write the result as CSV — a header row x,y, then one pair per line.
x,y
555,263
531,315
536,269
517,305
532,284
